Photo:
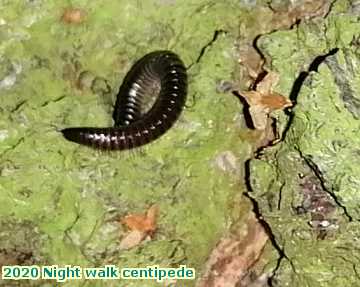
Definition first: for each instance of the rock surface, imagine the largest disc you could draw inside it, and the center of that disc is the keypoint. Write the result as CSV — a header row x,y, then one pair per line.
x,y
61,66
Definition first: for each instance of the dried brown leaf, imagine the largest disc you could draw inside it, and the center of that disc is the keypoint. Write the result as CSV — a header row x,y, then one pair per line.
x,y
263,101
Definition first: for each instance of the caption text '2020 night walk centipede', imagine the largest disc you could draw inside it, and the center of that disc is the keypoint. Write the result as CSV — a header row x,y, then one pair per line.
x,y
159,74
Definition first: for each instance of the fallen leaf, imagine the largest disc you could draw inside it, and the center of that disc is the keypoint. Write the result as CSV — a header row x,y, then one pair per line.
x,y
142,222
132,239
73,16
262,101
142,226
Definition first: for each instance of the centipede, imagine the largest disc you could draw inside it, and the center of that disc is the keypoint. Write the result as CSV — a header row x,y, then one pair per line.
x,y
149,102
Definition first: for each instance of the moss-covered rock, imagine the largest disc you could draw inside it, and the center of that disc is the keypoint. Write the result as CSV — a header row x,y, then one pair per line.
x,y
59,71
307,185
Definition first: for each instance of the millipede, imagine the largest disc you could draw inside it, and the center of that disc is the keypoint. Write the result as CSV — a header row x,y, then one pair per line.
x,y
150,100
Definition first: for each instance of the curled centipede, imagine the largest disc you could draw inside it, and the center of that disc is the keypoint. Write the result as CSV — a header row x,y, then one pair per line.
x,y
149,102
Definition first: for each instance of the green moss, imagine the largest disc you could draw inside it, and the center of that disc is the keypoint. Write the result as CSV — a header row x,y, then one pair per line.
x,y
75,195
324,133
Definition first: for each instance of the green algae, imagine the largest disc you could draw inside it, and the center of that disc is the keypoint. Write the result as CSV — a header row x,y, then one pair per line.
x,y
75,195
322,144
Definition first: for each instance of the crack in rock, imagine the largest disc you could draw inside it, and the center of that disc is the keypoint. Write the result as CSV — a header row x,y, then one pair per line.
x,y
330,8
216,35
256,209
319,175
13,147
298,83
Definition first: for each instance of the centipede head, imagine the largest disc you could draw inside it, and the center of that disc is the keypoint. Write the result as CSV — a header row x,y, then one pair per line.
x,y
72,134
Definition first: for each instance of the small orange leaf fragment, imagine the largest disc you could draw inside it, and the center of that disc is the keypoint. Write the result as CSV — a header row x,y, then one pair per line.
x,y
142,227
73,16
143,222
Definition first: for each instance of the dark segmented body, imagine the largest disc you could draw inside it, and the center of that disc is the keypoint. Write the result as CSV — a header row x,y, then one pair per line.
x,y
160,75
141,83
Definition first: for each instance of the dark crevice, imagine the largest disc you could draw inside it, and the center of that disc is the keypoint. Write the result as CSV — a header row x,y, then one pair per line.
x,y
58,99
319,59
271,280
255,45
247,171
295,90
280,196
355,271
14,146
318,174
296,24
247,116
270,234
268,4
274,127
298,83
18,106
217,33
258,80
264,224
262,73
247,166
330,8
68,229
